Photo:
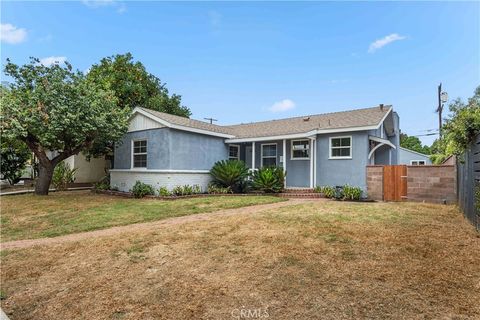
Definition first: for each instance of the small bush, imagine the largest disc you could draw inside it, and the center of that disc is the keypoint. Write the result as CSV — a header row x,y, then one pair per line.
x,y
101,186
62,176
163,191
213,189
177,191
328,192
231,174
197,189
187,190
141,189
352,193
269,179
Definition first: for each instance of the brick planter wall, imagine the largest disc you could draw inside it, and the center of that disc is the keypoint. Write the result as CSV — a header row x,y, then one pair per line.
x,y
375,182
432,183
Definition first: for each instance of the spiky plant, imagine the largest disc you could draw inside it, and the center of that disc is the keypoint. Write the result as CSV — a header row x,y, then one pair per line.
x,y
231,174
269,179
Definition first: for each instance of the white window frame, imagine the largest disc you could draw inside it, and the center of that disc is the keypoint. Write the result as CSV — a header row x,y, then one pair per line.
x,y
141,153
331,157
418,162
309,149
238,151
261,153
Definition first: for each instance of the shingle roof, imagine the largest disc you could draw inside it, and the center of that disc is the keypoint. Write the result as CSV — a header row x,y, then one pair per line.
x,y
335,120
186,122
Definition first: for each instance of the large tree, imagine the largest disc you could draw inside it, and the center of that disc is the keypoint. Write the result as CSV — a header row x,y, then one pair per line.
x,y
134,86
57,113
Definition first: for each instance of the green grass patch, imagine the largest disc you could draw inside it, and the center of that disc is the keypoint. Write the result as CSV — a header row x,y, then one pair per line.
x,y
29,216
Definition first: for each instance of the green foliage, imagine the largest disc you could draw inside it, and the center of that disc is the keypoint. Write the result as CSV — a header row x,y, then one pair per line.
x,y
141,190
269,179
213,189
55,108
13,158
347,192
63,175
463,125
101,186
413,143
134,86
328,191
177,191
196,189
163,192
231,174
460,128
351,192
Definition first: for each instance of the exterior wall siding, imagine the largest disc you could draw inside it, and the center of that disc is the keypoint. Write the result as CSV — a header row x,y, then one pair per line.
x,y
124,180
298,171
405,156
337,172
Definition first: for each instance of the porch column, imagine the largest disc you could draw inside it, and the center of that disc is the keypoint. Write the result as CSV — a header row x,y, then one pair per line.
x,y
253,156
285,161
311,162
314,153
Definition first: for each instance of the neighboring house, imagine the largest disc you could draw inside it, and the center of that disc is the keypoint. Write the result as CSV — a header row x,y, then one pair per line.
x,y
413,158
326,149
86,171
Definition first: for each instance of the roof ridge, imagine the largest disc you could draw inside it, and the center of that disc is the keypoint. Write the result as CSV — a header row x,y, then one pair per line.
x,y
174,115
308,115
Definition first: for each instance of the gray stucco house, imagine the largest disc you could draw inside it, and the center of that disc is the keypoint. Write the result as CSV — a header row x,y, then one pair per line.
x,y
325,149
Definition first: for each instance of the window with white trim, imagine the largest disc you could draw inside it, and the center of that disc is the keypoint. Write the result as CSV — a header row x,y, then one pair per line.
x,y
269,155
140,154
234,152
417,162
300,149
341,148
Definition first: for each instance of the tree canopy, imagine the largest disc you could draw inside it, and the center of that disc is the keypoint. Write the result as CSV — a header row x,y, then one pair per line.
x,y
413,143
134,86
55,109
460,128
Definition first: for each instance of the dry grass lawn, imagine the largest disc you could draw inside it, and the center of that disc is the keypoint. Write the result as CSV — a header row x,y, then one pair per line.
x,y
323,260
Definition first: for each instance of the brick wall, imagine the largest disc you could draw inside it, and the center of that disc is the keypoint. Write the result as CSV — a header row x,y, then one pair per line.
x,y
424,183
431,183
375,182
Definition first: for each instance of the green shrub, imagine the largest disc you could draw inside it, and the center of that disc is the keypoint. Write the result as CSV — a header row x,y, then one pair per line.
x,y
269,179
187,190
163,191
231,174
177,191
63,175
101,186
351,192
328,191
213,189
141,189
197,189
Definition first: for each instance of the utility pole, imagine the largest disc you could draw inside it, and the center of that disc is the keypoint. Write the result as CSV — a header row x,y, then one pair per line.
x,y
442,98
211,120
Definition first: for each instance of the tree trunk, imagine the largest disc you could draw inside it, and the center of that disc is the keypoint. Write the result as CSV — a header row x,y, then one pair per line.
x,y
45,174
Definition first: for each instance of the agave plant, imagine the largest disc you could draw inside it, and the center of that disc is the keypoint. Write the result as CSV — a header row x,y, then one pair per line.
x,y
269,179
231,174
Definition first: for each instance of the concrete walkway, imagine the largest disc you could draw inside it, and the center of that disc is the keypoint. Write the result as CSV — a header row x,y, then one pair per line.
x,y
146,226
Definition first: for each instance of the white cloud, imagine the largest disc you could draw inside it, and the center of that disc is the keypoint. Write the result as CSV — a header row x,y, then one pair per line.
x,y
48,61
282,106
94,4
374,46
11,34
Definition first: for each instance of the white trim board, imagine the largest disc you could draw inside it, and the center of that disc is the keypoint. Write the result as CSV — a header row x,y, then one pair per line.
x,y
330,157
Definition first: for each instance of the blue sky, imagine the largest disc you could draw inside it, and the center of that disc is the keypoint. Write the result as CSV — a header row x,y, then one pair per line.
x,y
242,62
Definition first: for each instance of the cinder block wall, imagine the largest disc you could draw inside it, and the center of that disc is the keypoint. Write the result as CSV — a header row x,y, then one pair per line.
x,y
432,183
375,182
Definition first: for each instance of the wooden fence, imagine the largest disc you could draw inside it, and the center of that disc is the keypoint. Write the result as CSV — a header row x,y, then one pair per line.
x,y
468,171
